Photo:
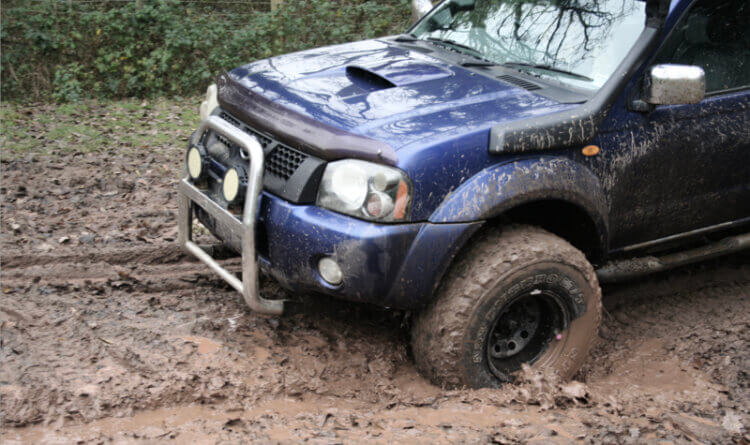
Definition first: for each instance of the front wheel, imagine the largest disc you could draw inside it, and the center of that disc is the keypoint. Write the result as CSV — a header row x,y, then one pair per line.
x,y
518,295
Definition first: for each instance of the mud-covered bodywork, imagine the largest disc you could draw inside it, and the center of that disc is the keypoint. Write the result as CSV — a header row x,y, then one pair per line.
x,y
436,118
498,189
476,141
388,265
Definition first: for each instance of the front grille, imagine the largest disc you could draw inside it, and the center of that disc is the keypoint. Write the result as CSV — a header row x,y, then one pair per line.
x,y
288,173
264,141
224,140
229,118
283,162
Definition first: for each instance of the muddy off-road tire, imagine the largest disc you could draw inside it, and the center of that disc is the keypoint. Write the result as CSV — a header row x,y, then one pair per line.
x,y
517,295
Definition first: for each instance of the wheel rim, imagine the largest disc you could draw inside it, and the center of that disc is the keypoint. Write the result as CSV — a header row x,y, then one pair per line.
x,y
524,329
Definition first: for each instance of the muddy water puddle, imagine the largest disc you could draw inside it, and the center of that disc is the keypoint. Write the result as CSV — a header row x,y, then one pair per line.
x,y
152,425
200,423
188,424
205,345
648,368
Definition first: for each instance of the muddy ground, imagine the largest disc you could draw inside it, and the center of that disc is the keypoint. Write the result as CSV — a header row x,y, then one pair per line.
x,y
110,333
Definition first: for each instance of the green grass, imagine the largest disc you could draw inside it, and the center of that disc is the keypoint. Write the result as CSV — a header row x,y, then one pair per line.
x,y
92,126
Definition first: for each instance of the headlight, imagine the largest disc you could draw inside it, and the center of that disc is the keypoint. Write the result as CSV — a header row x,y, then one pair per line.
x,y
232,184
211,102
365,190
195,162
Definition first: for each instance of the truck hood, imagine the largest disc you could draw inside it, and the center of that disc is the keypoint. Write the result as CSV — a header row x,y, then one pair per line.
x,y
381,90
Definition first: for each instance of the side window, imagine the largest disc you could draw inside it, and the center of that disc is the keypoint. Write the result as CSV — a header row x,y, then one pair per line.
x,y
714,35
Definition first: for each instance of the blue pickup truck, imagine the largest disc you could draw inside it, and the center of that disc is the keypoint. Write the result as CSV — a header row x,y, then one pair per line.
x,y
485,170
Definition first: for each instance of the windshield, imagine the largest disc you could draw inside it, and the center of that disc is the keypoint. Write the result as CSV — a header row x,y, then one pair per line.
x,y
577,42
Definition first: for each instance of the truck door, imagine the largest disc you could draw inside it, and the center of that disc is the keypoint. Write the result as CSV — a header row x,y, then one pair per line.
x,y
683,167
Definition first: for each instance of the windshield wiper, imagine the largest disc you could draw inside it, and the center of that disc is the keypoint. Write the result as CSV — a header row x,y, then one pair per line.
x,y
546,68
480,62
454,44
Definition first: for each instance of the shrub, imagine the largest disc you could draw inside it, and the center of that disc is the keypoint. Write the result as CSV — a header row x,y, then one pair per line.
x,y
68,85
67,51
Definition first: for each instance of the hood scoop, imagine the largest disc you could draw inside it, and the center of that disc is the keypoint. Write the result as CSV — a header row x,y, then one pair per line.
x,y
367,80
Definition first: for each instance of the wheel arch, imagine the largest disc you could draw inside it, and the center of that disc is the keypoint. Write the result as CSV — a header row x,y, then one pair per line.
x,y
557,194
571,223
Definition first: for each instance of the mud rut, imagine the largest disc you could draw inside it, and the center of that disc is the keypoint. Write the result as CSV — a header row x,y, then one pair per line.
x,y
109,332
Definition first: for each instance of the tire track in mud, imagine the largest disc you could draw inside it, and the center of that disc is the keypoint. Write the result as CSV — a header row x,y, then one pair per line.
x,y
157,268
97,316
145,255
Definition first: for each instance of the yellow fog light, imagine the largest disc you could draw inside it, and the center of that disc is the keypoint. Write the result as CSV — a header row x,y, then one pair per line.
x,y
232,184
195,162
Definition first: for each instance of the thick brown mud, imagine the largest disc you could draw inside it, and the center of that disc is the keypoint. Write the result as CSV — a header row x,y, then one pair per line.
x,y
110,333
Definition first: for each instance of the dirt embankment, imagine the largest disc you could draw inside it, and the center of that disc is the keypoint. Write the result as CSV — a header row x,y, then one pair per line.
x,y
110,332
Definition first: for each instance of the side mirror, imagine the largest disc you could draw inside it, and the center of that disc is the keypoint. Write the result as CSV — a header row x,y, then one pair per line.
x,y
674,85
419,8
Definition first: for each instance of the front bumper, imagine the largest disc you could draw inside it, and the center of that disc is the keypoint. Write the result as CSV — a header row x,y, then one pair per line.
x,y
390,265
395,266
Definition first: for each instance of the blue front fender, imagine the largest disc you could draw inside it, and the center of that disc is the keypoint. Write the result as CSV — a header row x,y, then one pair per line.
x,y
499,188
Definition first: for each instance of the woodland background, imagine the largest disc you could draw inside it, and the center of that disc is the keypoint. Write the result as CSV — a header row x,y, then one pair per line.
x,y
69,50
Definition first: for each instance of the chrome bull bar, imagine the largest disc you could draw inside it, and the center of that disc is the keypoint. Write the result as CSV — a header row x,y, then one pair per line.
x,y
190,195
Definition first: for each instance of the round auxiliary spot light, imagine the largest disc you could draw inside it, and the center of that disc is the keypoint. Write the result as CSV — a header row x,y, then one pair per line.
x,y
231,184
195,162
330,271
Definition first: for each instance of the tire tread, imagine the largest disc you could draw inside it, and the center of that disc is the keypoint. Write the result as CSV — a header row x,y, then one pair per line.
x,y
494,253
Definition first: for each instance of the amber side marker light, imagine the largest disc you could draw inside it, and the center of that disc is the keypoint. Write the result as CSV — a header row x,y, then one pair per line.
x,y
402,201
590,150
